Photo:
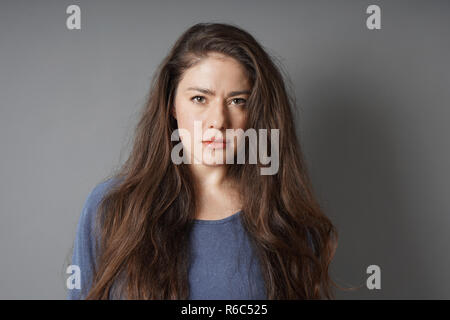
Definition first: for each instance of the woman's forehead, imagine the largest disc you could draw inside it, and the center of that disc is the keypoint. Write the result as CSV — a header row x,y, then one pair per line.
x,y
216,74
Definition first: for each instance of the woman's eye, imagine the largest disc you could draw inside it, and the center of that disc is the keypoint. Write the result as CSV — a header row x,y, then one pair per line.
x,y
238,101
199,99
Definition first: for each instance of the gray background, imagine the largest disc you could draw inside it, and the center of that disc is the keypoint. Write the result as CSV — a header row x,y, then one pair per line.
x,y
373,115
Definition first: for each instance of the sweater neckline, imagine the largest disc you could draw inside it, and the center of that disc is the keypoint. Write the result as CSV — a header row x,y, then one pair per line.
x,y
219,221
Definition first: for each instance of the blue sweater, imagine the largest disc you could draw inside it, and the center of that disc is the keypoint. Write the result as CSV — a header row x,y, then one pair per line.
x,y
223,264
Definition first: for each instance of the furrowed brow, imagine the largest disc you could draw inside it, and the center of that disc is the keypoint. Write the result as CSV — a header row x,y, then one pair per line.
x,y
202,90
237,93
212,93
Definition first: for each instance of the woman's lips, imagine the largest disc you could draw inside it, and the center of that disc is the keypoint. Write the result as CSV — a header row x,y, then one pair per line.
x,y
215,143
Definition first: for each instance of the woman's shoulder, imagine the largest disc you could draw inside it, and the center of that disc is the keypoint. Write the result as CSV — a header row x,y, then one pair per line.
x,y
99,191
91,205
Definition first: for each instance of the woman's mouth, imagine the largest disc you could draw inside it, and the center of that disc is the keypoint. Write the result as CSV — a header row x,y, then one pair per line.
x,y
214,143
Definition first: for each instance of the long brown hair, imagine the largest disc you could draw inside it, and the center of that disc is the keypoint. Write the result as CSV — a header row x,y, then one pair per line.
x,y
145,220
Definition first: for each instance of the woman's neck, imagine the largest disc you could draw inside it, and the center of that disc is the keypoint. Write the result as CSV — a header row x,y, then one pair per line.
x,y
217,195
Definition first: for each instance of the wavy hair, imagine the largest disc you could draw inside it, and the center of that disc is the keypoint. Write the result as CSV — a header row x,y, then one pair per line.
x,y
145,220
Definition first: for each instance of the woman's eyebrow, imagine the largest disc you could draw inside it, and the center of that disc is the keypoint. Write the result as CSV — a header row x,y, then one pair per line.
x,y
212,93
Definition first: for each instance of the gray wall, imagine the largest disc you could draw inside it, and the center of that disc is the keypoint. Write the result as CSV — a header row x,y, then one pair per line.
x,y
373,114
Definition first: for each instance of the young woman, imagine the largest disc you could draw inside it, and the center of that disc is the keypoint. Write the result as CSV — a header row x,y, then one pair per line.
x,y
206,228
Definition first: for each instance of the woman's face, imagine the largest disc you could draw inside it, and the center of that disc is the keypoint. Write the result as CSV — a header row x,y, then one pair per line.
x,y
211,98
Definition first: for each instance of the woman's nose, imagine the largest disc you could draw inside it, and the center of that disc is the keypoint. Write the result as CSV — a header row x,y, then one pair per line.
x,y
218,115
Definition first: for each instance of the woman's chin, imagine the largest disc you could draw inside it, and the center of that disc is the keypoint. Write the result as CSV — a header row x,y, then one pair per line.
x,y
213,162
217,157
